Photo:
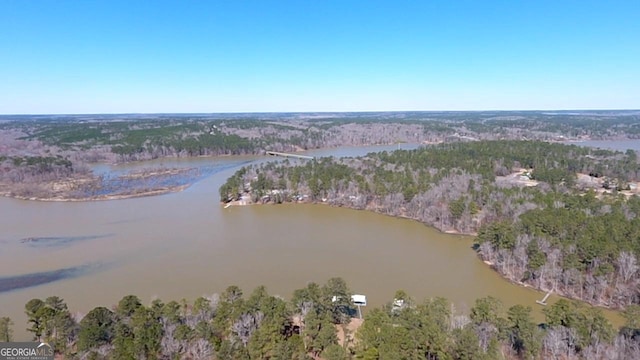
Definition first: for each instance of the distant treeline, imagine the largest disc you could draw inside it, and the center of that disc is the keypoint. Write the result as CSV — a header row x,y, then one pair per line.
x,y
565,234
318,323
130,137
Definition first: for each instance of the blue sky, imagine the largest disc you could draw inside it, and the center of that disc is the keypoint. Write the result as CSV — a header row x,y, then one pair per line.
x,y
311,55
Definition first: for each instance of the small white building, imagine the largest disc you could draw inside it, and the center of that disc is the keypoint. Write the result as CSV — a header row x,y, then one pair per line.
x,y
359,300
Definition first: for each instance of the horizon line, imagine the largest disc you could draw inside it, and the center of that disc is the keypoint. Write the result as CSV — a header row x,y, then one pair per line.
x,y
317,112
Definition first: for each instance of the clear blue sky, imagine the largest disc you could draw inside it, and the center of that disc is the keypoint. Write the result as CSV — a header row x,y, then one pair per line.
x,y
317,55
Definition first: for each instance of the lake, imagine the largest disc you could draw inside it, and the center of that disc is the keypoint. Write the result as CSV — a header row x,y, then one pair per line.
x,y
619,145
184,245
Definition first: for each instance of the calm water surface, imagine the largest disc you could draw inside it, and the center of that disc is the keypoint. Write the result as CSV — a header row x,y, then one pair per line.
x,y
619,145
185,245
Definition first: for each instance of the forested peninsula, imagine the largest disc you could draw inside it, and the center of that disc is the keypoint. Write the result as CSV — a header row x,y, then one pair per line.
x,y
319,322
556,217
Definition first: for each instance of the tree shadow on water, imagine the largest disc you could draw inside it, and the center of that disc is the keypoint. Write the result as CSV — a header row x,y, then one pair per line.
x,y
11,283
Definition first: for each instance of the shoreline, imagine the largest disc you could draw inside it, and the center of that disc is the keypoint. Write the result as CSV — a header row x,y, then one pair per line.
x,y
154,192
244,203
163,191
62,190
448,232
261,154
298,151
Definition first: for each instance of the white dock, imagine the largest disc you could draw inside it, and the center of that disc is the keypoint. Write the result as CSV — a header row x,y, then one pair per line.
x,y
543,302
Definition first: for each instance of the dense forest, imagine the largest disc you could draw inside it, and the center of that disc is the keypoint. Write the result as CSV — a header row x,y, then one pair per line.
x,y
556,217
318,322
91,138
47,157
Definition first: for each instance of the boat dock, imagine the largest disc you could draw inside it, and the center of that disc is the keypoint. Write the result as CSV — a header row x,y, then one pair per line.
x,y
275,153
543,302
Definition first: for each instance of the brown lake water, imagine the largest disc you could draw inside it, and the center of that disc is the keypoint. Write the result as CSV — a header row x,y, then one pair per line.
x,y
185,245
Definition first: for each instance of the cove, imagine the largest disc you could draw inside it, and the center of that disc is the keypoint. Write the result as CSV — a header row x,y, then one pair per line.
x,y
184,245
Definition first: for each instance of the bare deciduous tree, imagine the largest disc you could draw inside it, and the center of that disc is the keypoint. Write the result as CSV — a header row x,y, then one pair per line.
x,y
246,325
627,265
199,349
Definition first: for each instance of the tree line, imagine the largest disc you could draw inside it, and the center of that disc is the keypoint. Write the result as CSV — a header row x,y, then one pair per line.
x,y
563,235
318,323
143,137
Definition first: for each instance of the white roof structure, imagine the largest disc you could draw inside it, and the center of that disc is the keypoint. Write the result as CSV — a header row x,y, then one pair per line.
x,y
356,299
359,299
